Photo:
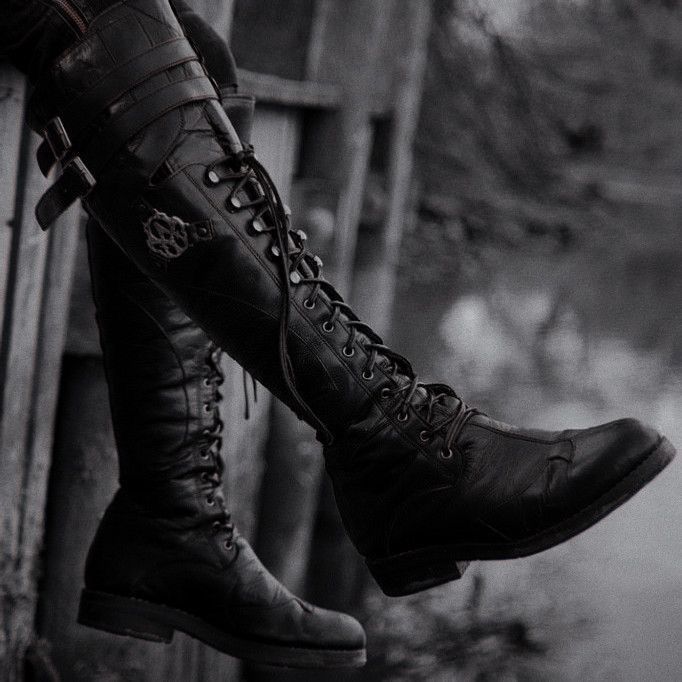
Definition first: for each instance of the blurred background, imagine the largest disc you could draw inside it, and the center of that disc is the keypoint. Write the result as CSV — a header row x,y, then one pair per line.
x,y
496,188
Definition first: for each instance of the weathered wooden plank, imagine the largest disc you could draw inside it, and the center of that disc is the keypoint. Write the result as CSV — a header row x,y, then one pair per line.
x,y
12,90
374,286
21,323
269,89
346,53
289,497
82,482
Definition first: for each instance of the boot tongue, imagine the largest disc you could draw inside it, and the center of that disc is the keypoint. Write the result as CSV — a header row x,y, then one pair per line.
x,y
240,110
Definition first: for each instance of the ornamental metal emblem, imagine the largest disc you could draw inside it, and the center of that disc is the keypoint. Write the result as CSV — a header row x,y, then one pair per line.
x,y
167,236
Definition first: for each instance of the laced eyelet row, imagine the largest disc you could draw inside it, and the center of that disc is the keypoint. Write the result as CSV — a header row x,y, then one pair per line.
x,y
212,380
300,267
217,526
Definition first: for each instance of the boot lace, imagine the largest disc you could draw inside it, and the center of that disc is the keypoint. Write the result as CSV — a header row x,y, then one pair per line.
x,y
213,379
438,407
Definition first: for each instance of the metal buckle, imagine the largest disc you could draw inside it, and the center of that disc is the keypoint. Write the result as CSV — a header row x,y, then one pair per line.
x,y
57,138
84,179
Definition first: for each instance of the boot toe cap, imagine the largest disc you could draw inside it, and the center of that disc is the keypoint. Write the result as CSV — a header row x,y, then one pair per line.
x,y
604,455
334,630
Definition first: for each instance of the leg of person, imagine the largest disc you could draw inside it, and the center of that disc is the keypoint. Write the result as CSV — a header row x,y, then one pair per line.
x,y
423,481
166,555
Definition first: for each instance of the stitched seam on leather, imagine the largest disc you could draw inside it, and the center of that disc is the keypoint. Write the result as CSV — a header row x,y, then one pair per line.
x,y
266,313
519,493
519,436
310,323
169,148
175,355
604,495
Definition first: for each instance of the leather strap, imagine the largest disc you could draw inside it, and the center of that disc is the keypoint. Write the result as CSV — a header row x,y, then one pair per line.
x,y
78,179
82,112
128,123
54,147
75,182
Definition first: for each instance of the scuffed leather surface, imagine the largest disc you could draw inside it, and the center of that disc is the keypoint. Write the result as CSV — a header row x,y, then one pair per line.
x,y
502,484
143,556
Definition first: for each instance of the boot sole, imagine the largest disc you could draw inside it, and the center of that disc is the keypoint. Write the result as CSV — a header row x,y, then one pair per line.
x,y
418,570
156,623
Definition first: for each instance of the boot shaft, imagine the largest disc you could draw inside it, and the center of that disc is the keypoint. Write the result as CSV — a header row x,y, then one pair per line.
x,y
163,371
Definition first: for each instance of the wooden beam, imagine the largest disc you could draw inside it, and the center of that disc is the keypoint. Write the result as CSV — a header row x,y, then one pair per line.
x,y
270,89
21,322
413,21
34,315
350,45
12,91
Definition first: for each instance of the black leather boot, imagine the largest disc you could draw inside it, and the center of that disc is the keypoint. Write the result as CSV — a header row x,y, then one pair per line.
x,y
166,555
424,482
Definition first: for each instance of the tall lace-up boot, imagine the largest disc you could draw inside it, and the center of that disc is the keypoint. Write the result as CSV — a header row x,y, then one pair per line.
x,y
424,483
167,555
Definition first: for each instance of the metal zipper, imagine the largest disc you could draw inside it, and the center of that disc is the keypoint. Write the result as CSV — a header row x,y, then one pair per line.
x,y
72,14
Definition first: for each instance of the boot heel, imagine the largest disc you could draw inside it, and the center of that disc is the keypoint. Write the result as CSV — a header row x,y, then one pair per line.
x,y
123,616
413,572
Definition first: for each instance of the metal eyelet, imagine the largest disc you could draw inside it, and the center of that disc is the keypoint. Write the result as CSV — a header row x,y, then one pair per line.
x,y
425,436
403,417
216,526
349,352
328,327
203,454
235,202
210,500
207,383
385,393
228,545
308,304
368,375
295,277
212,178
257,226
208,408
446,454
